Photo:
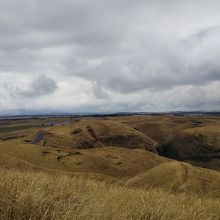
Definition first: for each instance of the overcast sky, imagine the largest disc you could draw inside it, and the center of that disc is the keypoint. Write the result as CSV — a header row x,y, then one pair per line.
x,y
109,55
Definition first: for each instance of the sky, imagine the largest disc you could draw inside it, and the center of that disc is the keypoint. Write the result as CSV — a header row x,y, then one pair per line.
x,y
59,56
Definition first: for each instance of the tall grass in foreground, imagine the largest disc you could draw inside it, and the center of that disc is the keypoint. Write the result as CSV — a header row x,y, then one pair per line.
x,y
37,195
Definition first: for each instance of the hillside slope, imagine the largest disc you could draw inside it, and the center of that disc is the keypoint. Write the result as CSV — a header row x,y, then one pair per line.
x,y
112,161
199,145
177,176
93,133
36,195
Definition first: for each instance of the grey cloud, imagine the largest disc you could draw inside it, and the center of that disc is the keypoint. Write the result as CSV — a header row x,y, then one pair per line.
x,y
204,97
118,48
41,85
205,32
99,91
47,23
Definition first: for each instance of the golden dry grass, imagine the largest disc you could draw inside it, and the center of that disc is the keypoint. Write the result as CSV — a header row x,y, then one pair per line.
x,y
179,177
52,182
97,133
37,195
162,128
199,146
112,161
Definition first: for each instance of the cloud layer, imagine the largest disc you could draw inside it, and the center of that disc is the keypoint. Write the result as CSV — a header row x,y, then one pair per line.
x,y
109,55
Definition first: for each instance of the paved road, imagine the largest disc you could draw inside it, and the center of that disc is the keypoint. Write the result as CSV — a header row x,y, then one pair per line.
x,y
39,137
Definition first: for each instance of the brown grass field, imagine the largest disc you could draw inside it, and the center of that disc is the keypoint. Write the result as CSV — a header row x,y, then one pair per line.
x,y
37,195
126,167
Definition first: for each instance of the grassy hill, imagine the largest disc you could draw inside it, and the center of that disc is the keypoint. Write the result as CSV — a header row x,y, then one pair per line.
x,y
109,168
199,145
37,195
193,139
179,177
112,161
96,133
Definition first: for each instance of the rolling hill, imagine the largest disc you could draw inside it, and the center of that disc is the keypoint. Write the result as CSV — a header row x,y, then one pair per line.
x,y
199,145
178,176
111,161
110,167
94,133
